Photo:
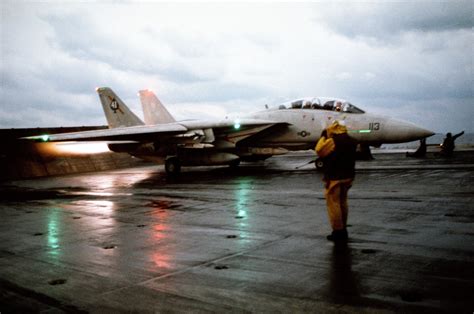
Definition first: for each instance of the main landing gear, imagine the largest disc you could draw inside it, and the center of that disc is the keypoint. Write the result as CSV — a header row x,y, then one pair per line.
x,y
172,165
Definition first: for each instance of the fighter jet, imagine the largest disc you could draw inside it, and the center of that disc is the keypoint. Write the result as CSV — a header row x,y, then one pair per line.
x,y
291,126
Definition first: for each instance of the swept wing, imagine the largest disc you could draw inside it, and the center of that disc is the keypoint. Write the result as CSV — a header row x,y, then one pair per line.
x,y
228,129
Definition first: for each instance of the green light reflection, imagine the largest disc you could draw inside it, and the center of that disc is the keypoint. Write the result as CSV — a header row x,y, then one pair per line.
x,y
242,198
53,232
360,131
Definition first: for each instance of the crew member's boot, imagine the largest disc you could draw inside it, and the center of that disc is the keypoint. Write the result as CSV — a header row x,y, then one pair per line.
x,y
338,235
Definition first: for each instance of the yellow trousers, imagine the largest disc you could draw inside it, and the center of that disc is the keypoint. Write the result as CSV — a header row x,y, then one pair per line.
x,y
336,200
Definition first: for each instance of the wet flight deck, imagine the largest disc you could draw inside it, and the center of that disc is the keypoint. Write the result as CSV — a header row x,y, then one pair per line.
x,y
246,240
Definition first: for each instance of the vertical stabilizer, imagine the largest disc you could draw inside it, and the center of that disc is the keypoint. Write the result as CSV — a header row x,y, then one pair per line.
x,y
153,109
116,112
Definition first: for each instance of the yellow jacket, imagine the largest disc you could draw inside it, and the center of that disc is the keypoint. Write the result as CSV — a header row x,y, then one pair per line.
x,y
326,145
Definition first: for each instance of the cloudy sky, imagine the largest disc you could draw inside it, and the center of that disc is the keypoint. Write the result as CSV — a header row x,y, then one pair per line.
x,y
411,60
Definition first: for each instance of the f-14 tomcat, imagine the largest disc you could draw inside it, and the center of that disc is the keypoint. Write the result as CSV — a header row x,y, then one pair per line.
x,y
296,125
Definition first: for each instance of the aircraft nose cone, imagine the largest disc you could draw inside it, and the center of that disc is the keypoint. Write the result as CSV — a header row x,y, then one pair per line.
x,y
403,131
422,133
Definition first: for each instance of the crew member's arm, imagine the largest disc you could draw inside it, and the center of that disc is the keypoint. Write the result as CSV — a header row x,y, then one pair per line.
x,y
458,135
325,146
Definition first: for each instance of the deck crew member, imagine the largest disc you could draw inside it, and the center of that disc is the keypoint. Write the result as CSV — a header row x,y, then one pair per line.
x,y
338,152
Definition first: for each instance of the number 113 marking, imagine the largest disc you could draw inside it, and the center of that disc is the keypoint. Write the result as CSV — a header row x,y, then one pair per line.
x,y
375,126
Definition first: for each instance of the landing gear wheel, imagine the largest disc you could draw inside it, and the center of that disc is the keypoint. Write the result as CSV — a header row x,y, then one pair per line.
x,y
172,166
319,163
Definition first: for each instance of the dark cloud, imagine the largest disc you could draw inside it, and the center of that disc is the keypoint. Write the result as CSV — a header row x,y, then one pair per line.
x,y
99,48
48,108
407,86
90,42
409,60
384,21
441,115
218,92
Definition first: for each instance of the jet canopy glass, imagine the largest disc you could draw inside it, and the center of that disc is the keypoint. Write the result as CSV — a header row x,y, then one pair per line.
x,y
329,104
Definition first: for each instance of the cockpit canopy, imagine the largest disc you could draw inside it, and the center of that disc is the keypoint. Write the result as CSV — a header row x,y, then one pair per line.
x,y
329,104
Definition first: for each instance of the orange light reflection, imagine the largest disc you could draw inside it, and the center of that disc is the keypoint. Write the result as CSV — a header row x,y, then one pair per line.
x,y
161,260
161,230
76,148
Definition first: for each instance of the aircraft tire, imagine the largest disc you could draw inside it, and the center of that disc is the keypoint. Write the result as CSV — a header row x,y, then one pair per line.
x,y
172,166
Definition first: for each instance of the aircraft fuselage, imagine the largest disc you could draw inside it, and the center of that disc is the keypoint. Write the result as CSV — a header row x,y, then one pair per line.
x,y
295,125
306,125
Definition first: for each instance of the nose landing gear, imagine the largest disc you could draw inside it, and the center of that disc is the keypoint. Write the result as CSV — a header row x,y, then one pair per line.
x,y
319,164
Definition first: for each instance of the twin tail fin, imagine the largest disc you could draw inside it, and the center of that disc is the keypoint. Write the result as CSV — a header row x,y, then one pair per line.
x,y
153,110
117,113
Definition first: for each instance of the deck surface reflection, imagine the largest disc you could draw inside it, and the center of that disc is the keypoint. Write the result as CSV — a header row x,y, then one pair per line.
x,y
251,239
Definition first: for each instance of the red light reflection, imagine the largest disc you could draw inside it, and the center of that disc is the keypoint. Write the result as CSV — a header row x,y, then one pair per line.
x,y
161,260
160,215
161,257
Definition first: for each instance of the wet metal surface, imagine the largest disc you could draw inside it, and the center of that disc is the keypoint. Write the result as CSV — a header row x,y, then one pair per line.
x,y
251,239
